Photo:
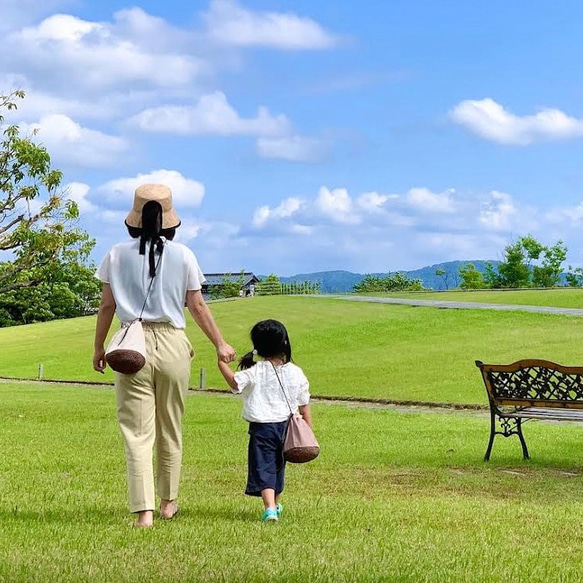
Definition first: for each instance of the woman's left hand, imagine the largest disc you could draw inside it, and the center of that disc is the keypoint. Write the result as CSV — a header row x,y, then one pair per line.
x,y
99,363
226,353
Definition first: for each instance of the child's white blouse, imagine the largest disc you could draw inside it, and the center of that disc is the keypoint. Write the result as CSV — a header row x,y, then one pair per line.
x,y
263,399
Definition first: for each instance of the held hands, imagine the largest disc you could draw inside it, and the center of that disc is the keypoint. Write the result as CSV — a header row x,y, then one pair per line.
x,y
226,353
99,363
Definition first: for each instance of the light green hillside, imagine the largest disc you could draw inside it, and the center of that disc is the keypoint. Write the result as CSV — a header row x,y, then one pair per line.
x,y
347,349
558,298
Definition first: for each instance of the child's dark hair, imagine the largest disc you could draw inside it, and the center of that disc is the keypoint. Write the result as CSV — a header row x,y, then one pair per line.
x,y
269,338
151,230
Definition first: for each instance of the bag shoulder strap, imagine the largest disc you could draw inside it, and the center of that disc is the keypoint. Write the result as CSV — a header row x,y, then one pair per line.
x,y
149,290
282,389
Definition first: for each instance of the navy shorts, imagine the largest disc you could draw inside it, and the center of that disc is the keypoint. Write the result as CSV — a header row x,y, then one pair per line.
x,y
265,463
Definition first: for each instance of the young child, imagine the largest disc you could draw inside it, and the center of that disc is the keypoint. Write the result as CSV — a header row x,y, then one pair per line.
x,y
265,407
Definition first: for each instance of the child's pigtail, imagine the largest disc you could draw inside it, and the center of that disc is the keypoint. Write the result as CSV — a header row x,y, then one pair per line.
x,y
247,360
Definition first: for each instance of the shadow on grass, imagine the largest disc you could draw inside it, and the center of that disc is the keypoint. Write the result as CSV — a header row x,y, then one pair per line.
x,y
101,516
114,516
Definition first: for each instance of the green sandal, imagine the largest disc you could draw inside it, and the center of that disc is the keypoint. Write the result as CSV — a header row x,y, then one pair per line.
x,y
270,515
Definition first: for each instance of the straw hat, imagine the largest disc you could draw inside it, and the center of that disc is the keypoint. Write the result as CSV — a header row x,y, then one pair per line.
x,y
160,193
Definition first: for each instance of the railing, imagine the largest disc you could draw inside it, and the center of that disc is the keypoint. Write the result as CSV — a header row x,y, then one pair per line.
x,y
296,288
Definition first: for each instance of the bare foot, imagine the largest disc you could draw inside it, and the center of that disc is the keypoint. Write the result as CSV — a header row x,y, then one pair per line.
x,y
168,509
145,519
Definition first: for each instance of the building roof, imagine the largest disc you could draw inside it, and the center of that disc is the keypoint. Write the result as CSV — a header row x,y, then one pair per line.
x,y
219,278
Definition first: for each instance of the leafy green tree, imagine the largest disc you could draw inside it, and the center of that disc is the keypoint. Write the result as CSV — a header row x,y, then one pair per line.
x,y
528,262
64,290
490,276
513,271
370,283
548,274
574,276
229,287
471,278
392,282
36,219
444,276
271,285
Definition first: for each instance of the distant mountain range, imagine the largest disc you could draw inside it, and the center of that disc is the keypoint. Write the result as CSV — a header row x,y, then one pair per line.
x,y
337,282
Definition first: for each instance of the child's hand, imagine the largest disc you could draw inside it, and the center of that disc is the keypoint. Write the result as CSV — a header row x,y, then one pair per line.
x,y
227,373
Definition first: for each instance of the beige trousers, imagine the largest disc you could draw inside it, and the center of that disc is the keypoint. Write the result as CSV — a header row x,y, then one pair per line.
x,y
150,405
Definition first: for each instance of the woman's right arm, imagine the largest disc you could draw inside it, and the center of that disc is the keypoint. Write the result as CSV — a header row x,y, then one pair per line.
x,y
203,317
104,319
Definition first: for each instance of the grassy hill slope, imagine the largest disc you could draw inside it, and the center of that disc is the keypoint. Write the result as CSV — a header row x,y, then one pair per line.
x,y
558,298
346,349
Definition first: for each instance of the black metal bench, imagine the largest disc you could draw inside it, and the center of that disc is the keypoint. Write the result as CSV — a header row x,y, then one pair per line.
x,y
530,389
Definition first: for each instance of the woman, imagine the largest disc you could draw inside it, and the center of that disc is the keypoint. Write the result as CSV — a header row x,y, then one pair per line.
x,y
150,403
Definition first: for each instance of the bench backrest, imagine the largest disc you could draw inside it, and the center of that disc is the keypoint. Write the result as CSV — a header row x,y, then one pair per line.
x,y
535,383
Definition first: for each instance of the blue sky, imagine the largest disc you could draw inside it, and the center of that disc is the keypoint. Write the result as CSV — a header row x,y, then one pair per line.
x,y
301,136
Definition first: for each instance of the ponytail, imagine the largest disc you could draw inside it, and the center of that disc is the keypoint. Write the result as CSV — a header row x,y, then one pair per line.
x,y
247,360
151,230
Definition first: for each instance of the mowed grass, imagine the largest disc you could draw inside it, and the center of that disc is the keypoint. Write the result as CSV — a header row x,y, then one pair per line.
x,y
348,349
557,298
393,497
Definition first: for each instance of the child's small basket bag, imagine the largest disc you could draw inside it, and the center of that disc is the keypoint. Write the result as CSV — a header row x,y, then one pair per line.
x,y
300,444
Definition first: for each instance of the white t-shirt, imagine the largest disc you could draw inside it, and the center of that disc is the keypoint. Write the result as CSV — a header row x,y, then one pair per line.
x,y
128,274
263,400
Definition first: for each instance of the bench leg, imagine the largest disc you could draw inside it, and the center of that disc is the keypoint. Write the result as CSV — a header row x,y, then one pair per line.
x,y
492,435
521,437
510,426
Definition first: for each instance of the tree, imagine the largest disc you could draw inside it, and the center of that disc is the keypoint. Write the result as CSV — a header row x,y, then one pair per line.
x,y
229,287
490,276
471,278
271,285
444,275
513,271
528,262
574,276
36,219
549,273
65,290
391,282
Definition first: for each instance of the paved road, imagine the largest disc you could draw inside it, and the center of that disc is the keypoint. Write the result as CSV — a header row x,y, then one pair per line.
x,y
460,305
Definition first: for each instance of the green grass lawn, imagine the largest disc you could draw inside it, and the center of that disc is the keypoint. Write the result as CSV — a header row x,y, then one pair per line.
x,y
558,298
347,349
394,497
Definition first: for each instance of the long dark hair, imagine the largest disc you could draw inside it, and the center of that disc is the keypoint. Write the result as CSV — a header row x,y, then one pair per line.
x,y
270,339
151,230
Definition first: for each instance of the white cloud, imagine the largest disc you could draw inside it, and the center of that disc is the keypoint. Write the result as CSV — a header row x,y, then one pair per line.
x,y
185,191
431,202
17,13
291,148
188,230
230,24
491,121
212,115
374,202
78,192
499,213
337,205
70,143
287,208
67,51
569,215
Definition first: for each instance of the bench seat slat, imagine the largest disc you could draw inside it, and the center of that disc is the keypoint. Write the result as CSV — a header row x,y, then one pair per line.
x,y
542,413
